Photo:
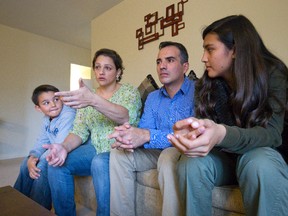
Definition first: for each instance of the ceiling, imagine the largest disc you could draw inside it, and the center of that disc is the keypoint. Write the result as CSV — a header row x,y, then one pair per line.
x,y
68,21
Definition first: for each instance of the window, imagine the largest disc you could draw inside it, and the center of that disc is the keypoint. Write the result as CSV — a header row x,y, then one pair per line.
x,y
79,71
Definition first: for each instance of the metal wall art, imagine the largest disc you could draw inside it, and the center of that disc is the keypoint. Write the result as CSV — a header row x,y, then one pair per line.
x,y
155,25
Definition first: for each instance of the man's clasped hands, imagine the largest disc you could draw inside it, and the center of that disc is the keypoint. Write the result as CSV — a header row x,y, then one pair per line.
x,y
192,137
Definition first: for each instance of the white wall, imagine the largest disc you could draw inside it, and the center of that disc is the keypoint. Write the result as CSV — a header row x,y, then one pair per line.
x,y
28,60
116,29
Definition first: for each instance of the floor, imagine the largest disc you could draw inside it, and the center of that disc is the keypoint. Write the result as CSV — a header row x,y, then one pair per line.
x,y
9,170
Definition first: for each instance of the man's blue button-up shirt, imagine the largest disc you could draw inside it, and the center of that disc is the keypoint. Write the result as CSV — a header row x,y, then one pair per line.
x,y
161,112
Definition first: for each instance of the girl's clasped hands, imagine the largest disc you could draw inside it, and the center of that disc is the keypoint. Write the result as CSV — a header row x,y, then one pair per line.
x,y
196,137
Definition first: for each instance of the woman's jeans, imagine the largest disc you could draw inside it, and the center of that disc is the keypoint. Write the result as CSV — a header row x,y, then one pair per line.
x,y
262,175
61,178
37,189
101,181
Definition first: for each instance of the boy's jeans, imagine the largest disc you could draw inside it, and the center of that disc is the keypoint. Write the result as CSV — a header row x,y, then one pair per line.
x,y
37,189
61,179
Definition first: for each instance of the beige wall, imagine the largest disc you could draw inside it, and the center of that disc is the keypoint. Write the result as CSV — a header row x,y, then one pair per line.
x,y
116,29
28,60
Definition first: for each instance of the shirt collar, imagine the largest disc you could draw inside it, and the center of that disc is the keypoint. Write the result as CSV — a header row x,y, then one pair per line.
x,y
184,87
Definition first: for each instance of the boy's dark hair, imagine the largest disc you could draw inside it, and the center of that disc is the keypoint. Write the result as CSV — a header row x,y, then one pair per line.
x,y
40,89
183,51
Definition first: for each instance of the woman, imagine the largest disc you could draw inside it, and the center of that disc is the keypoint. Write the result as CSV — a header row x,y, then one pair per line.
x,y
240,100
112,104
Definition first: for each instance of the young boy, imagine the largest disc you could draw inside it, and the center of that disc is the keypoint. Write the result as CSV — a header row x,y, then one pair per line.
x,y
57,122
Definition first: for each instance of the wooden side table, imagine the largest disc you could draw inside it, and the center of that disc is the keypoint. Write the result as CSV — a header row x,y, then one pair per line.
x,y
12,202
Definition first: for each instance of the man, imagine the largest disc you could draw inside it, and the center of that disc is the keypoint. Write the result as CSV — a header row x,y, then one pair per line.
x,y
163,107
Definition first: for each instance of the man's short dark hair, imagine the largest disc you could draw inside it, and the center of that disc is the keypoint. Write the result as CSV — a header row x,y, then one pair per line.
x,y
183,52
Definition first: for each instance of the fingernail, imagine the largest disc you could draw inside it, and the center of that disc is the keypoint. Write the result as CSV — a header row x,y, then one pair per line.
x,y
201,129
195,124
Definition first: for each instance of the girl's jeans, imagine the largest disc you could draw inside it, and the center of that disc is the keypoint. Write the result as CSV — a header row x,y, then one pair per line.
x,y
262,175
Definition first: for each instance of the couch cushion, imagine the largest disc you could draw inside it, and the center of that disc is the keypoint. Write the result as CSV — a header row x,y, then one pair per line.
x,y
228,198
148,201
84,192
192,75
220,212
146,86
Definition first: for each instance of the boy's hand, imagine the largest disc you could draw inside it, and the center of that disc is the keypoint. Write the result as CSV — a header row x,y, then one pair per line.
x,y
57,154
33,169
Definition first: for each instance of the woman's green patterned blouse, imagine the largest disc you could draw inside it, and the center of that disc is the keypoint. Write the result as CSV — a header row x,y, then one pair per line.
x,y
89,121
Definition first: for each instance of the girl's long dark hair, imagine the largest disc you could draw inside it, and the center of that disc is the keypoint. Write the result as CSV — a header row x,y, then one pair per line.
x,y
249,92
